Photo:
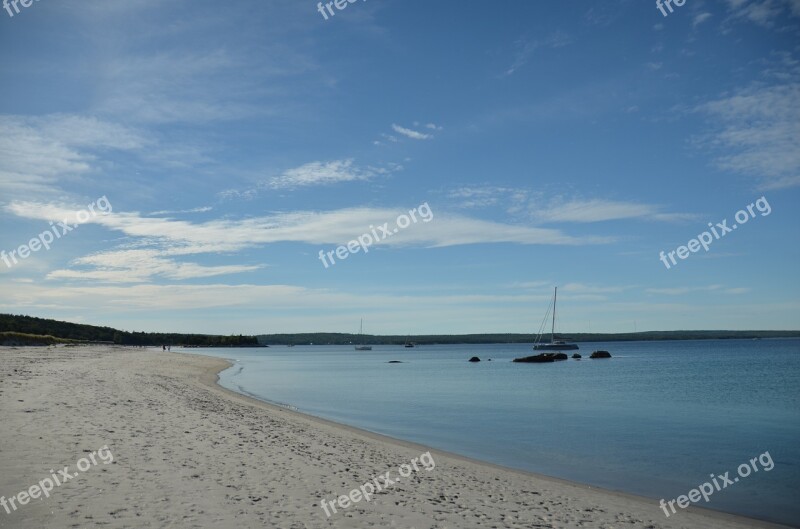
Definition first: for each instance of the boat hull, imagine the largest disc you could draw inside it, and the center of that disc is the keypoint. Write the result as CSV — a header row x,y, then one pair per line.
x,y
555,347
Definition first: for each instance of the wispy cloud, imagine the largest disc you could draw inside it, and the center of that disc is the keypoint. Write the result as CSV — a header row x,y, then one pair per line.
x,y
181,211
39,152
679,291
758,130
580,288
162,240
182,87
484,196
313,174
409,133
322,173
526,48
700,18
543,209
581,210
765,13
139,266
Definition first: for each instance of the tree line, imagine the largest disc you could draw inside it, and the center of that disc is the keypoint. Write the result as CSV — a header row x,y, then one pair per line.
x,y
90,333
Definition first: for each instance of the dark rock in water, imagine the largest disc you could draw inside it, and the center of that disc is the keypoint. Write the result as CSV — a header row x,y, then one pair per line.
x,y
601,354
576,356
474,359
394,362
542,358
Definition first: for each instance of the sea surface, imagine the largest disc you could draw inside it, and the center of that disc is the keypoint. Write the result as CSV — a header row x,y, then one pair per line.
x,y
656,420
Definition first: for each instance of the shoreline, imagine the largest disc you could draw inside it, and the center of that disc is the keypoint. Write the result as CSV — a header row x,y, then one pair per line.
x,y
190,453
214,378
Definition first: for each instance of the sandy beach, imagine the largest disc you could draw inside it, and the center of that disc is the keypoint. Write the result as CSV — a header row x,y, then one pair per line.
x,y
188,453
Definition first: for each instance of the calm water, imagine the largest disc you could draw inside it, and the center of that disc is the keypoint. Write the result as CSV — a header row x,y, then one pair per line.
x,y
655,420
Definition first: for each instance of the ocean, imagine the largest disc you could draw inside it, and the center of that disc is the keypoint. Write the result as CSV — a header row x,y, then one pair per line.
x,y
655,420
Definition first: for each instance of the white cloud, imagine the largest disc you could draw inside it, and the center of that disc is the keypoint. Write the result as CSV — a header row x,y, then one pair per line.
x,y
171,87
182,237
37,153
138,266
181,211
600,210
765,13
545,210
156,245
480,196
313,174
321,173
759,130
413,134
700,18
679,291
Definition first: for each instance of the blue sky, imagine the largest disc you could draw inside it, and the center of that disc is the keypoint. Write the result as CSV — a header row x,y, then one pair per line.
x,y
556,143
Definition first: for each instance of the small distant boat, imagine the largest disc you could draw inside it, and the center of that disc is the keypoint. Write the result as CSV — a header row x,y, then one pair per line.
x,y
554,345
361,346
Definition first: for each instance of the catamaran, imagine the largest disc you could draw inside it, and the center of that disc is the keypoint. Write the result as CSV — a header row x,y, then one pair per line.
x,y
554,345
361,346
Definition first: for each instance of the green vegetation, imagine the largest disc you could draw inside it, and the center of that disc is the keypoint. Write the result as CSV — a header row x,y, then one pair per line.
x,y
20,339
346,339
43,328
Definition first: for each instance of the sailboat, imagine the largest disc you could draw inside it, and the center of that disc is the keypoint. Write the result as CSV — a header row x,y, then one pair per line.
x,y
361,346
554,345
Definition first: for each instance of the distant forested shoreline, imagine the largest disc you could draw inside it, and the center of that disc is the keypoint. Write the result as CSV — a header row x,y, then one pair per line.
x,y
27,330
347,339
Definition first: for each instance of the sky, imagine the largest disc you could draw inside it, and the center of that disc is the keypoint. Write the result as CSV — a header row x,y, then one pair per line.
x,y
195,166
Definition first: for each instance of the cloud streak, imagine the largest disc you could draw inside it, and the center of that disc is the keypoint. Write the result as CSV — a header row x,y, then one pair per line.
x,y
409,133
165,239
558,209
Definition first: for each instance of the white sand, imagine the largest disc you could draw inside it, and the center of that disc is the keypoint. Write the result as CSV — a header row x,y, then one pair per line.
x,y
188,453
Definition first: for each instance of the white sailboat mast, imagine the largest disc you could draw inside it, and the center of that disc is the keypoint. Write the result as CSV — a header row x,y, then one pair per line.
x,y
553,327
